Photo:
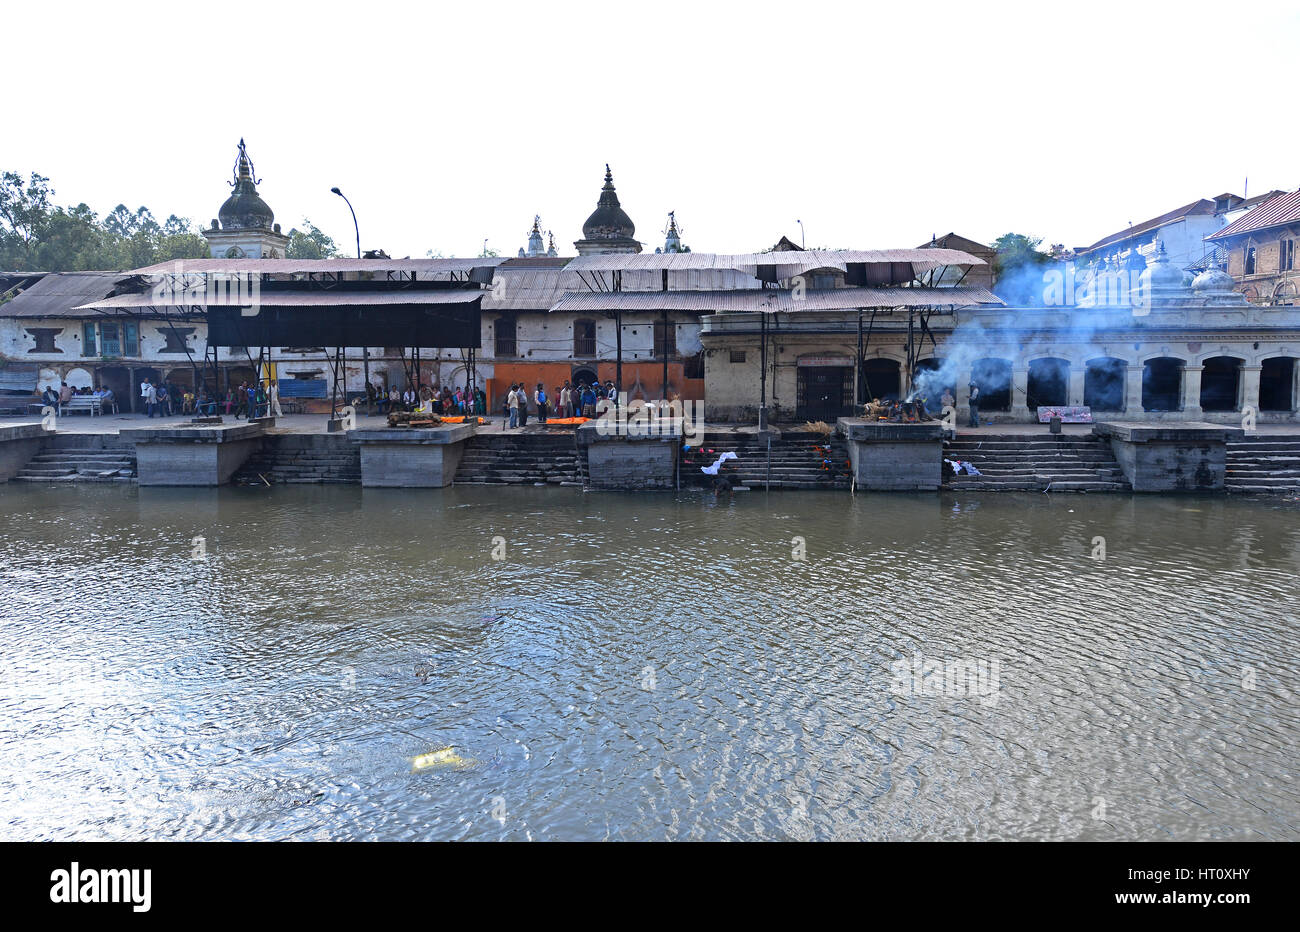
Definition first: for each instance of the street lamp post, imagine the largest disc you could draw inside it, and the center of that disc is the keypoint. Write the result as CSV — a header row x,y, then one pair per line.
x,y
365,350
803,239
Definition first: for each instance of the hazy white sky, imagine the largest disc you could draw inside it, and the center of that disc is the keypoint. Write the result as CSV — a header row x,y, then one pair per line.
x,y
877,125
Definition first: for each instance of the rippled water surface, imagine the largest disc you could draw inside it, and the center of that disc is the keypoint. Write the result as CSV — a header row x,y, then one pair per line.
x,y
643,667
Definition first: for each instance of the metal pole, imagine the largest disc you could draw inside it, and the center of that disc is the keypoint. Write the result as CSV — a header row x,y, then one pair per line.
x,y
365,350
664,396
762,377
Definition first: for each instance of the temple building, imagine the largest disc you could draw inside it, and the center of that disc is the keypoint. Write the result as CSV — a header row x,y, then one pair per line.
x,y
608,229
246,227
535,247
672,237
1260,250
805,334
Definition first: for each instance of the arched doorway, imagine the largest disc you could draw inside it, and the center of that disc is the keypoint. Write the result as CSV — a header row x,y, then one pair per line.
x,y
931,381
117,380
993,376
1277,384
880,379
1103,383
182,377
1049,383
1220,383
583,375
78,378
1162,384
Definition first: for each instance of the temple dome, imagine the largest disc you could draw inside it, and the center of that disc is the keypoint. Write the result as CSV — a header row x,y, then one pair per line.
x,y
1213,281
608,221
245,209
1160,273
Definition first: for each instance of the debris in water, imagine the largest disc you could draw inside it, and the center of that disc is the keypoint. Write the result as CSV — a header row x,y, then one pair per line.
x,y
443,757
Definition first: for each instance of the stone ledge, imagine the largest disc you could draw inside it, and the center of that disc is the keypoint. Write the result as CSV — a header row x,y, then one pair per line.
x,y
452,433
1188,432
24,432
214,434
588,434
866,431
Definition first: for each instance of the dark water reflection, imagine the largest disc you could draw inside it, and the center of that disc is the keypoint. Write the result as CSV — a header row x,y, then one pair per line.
x,y
643,667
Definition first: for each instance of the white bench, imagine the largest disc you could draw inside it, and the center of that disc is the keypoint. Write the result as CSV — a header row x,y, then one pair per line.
x,y
83,403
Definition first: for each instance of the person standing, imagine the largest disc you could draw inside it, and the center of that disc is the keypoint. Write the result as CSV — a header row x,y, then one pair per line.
x,y
539,398
566,400
512,405
276,410
974,404
145,399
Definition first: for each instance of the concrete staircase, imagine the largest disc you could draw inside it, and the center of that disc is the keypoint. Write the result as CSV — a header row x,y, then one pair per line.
x,y
1264,464
81,458
1042,464
291,459
795,462
527,457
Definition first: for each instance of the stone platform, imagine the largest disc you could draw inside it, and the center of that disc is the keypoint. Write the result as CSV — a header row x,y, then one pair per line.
x,y
1188,457
411,457
18,444
194,455
891,457
646,461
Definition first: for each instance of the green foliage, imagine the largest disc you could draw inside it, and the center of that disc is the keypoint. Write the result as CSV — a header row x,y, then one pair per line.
x,y
310,243
1015,250
36,235
1018,268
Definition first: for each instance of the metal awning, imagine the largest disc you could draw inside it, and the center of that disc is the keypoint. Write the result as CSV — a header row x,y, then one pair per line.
x,y
772,301
786,263
296,298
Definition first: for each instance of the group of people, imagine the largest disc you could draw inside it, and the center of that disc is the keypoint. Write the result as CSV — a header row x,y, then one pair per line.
x,y
568,401
56,398
250,399
446,401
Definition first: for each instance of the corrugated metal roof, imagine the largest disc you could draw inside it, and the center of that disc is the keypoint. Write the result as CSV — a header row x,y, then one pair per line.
x,y
537,289
19,377
789,263
1276,211
59,294
303,266
314,298
829,299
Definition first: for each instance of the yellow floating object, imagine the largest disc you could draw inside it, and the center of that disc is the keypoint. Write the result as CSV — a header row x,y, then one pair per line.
x,y
443,757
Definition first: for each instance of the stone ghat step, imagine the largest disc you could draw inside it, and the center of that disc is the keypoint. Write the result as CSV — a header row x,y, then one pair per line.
x,y
978,456
118,462
1259,487
76,477
978,484
1027,471
1237,470
1279,481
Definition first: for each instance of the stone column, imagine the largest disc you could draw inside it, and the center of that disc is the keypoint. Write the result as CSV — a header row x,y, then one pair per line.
x,y
1076,386
1250,387
962,404
1133,390
1192,391
1019,395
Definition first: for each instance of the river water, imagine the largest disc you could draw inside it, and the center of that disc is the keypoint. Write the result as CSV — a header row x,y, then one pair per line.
x,y
620,666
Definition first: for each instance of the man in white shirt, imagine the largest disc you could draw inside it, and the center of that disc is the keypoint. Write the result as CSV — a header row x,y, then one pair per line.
x,y
513,401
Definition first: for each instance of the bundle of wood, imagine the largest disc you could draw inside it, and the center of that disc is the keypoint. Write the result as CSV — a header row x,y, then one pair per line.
x,y
412,419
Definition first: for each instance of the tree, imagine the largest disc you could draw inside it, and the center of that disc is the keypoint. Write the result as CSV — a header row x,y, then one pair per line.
x,y
311,243
23,210
1018,268
35,235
